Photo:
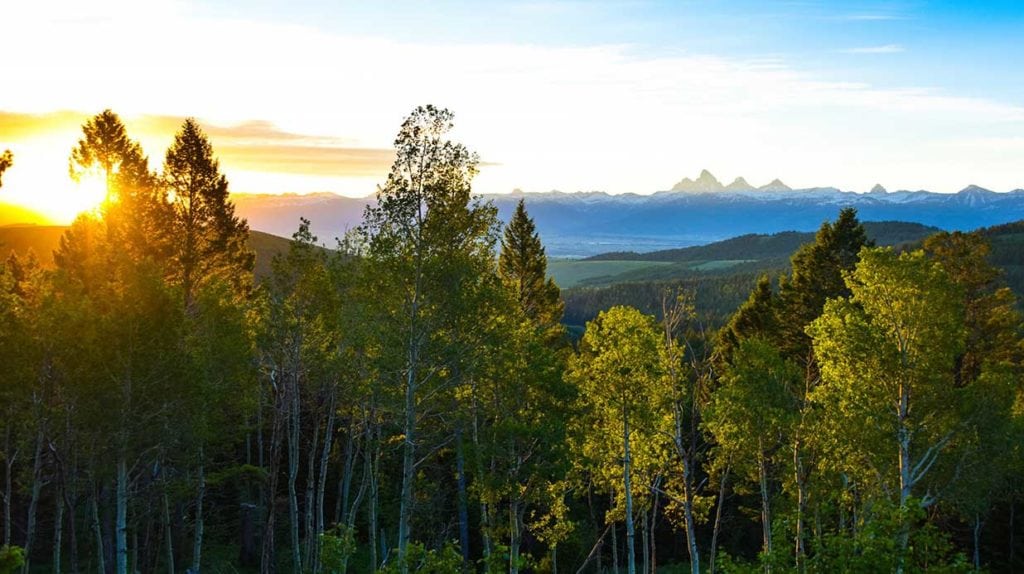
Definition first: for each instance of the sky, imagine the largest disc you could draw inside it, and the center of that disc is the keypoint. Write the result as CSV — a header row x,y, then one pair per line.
x,y
303,96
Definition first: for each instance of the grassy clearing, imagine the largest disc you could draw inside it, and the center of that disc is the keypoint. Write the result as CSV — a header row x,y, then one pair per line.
x,y
571,272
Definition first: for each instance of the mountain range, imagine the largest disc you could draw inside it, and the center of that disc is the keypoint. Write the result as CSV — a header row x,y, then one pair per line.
x,y
691,212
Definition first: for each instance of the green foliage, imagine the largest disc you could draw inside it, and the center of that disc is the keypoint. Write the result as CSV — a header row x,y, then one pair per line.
x,y
417,383
208,242
336,548
445,560
522,266
11,559
874,546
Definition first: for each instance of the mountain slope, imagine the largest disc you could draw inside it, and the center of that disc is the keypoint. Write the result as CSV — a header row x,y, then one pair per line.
x,y
694,212
43,240
774,246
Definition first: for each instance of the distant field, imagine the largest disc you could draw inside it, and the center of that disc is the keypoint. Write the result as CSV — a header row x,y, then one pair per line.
x,y
720,264
571,272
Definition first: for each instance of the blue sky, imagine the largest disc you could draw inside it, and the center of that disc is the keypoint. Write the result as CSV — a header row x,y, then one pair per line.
x,y
620,96
970,47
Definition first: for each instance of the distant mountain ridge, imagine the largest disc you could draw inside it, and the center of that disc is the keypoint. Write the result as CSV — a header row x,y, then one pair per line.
x,y
692,212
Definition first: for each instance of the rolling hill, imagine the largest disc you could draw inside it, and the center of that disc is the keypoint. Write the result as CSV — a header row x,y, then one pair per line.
x,y
43,240
751,253
719,292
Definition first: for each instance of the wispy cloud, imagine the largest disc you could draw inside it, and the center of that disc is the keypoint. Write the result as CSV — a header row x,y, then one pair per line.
x,y
883,49
555,116
257,145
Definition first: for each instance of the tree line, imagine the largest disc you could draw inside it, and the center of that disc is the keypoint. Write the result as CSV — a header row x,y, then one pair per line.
x,y
410,400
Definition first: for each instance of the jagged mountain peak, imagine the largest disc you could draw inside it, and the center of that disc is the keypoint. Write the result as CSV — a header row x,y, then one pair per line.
x,y
775,185
704,183
739,184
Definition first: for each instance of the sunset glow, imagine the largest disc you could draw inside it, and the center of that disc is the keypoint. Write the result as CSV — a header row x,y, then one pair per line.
x,y
564,95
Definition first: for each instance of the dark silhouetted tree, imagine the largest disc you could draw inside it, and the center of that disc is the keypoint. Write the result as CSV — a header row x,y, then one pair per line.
x,y
209,240
6,161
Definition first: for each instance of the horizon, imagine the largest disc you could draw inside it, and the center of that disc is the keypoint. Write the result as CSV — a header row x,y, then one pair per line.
x,y
557,96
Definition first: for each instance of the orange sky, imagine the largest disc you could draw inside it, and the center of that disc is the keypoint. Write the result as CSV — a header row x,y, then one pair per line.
x,y
257,157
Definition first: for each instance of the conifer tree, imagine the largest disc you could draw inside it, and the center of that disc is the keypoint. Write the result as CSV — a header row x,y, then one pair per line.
x,y
523,268
817,275
756,317
133,210
209,240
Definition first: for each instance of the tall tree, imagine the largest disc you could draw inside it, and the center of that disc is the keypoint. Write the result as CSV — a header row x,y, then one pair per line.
x,y
621,380
523,267
113,262
419,233
887,357
750,415
210,261
210,241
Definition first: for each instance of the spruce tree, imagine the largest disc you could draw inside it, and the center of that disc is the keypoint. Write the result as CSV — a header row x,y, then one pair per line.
x,y
523,268
133,209
209,240
209,260
817,276
757,317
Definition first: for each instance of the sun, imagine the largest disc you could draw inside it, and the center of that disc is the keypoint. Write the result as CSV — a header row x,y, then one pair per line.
x,y
39,183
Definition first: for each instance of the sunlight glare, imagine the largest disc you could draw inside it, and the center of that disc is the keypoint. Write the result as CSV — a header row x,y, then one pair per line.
x,y
39,182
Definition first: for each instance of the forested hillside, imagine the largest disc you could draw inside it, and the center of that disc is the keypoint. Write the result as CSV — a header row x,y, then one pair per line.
x,y
41,241
413,402
719,289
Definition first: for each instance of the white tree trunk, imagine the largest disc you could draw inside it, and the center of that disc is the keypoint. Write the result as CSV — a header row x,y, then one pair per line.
x,y
197,541
628,484
293,472
33,505
101,567
168,535
58,528
766,514
322,481
408,460
718,521
121,526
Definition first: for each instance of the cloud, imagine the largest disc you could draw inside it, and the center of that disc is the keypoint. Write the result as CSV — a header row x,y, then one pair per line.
x,y
606,117
883,49
255,145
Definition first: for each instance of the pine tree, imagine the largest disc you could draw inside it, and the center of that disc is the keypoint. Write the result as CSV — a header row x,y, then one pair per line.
x,y
209,240
817,276
523,268
757,317
134,208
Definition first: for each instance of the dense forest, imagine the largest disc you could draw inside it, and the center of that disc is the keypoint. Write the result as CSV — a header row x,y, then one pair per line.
x,y
410,400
